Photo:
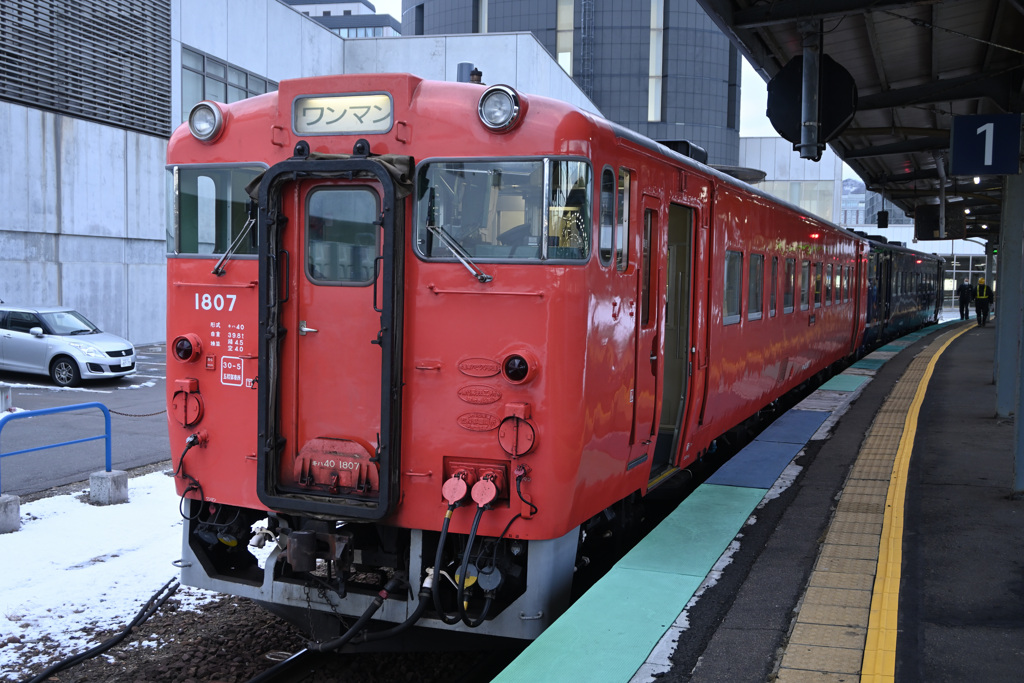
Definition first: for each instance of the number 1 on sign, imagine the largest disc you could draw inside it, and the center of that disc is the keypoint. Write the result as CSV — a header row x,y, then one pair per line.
x,y
988,129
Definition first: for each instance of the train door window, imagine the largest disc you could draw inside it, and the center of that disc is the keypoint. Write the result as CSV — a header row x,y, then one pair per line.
x,y
789,286
755,287
645,287
622,226
341,235
805,285
828,285
817,285
839,284
846,284
733,284
773,294
607,227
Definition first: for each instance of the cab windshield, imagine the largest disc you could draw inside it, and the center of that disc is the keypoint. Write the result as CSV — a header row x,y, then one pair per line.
x,y
529,210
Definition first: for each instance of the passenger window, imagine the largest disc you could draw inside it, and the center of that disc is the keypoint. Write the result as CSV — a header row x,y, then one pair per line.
x,y
341,235
607,216
755,287
817,285
733,284
789,286
828,285
805,284
772,298
622,232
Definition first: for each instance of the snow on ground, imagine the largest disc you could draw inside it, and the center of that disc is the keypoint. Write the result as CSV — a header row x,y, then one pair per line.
x,y
74,567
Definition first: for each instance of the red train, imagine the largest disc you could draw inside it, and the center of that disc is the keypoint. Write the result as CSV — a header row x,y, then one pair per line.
x,y
434,338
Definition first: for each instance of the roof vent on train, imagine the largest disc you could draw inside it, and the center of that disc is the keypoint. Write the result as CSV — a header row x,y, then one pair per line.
x,y
501,108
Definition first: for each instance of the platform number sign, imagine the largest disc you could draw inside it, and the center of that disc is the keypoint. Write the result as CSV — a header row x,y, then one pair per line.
x,y
985,145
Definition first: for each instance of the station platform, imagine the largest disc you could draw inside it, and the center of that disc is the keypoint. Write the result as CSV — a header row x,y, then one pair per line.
x,y
869,534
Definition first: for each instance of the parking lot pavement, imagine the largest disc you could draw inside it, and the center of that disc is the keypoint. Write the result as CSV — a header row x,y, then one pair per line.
x,y
138,426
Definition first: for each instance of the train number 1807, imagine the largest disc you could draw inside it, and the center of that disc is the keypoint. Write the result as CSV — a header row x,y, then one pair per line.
x,y
216,302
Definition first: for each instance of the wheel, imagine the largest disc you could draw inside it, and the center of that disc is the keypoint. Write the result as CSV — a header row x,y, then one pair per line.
x,y
64,372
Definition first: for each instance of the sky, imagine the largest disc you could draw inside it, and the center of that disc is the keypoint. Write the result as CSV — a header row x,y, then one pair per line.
x,y
74,567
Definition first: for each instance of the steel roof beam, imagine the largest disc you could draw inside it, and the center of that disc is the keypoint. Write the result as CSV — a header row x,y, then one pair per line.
x,y
932,144
993,86
788,11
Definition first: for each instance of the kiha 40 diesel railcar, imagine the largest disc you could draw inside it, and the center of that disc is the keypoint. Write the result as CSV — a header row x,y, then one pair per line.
x,y
428,340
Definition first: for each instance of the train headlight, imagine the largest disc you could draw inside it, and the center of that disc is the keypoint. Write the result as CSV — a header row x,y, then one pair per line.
x,y
500,108
206,121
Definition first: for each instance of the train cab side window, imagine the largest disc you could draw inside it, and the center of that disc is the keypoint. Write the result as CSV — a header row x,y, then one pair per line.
x,y
755,287
733,287
773,295
817,285
622,224
607,227
828,284
805,285
210,210
341,235
789,286
497,210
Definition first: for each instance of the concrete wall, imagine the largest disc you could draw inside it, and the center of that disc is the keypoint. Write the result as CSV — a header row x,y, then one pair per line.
x,y
83,222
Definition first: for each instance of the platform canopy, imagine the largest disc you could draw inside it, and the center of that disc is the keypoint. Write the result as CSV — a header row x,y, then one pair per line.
x,y
917,65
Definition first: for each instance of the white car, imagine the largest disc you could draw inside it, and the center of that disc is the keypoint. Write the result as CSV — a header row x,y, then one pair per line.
x,y
61,343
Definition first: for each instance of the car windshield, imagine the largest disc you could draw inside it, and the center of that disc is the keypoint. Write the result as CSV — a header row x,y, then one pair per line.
x,y
528,210
68,322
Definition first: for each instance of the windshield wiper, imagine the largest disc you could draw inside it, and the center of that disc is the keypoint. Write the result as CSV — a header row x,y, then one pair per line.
x,y
460,253
219,269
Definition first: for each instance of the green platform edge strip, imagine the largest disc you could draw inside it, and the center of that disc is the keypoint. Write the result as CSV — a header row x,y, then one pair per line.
x,y
609,632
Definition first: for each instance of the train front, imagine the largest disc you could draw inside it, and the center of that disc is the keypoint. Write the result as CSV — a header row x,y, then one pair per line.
x,y
363,292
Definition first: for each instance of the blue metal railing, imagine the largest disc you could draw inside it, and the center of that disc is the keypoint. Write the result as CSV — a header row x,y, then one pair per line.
x,y
10,417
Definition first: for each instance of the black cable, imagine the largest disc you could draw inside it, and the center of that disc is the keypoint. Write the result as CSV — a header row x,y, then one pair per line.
x,y
392,585
424,602
472,623
194,485
149,609
435,589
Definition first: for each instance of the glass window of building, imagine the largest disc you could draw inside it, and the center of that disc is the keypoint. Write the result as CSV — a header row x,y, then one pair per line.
x,y
657,60
206,78
564,19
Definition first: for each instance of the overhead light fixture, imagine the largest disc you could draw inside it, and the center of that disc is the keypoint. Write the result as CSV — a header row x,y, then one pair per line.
x,y
967,210
984,227
977,180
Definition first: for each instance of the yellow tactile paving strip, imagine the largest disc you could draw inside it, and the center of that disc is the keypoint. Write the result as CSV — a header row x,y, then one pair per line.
x,y
845,631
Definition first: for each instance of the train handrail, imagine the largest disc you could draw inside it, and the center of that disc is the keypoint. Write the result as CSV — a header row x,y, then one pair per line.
x,y
10,417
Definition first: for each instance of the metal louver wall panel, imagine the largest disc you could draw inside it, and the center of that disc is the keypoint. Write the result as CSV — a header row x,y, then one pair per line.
x,y
100,60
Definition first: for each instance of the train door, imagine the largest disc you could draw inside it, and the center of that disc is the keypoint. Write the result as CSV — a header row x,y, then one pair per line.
x,y
677,359
646,366
328,380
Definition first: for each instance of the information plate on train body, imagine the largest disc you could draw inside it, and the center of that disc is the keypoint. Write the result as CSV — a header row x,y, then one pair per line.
x,y
342,114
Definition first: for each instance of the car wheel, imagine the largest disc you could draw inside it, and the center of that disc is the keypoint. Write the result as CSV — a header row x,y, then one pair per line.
x,y
64,372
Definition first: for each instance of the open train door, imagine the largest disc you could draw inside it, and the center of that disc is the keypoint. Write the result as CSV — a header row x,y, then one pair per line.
x,y
331,246
645,380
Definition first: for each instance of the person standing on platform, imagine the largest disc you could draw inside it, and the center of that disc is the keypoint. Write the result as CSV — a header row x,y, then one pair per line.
x,y
982,299
965,294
